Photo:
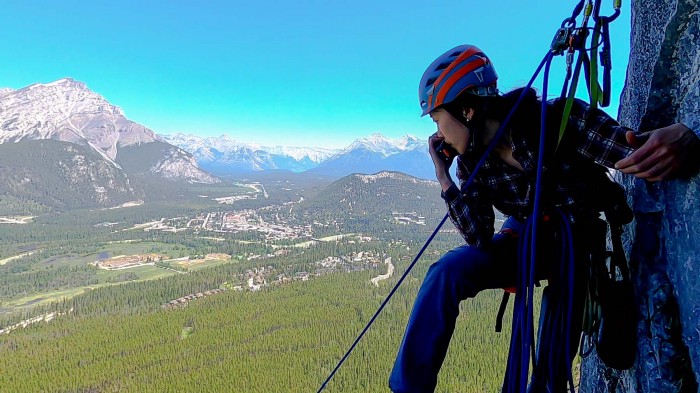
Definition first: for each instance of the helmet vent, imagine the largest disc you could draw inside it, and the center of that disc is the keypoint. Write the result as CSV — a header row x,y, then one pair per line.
x,y
430,81
442,66
479,74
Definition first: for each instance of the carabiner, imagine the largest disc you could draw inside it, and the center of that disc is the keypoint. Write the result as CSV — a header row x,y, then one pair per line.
x,y
577,9
617,4
570,22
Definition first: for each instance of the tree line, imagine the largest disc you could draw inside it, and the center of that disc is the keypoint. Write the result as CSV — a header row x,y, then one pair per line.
x,y
282,339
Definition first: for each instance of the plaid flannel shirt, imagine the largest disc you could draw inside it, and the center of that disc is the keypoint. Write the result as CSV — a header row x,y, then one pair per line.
x,y
511,191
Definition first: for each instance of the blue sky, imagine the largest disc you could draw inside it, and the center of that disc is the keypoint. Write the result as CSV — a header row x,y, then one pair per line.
x,y
285,72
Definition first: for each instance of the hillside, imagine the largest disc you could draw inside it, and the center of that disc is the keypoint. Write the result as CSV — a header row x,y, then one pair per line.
x,y
38,176
381,192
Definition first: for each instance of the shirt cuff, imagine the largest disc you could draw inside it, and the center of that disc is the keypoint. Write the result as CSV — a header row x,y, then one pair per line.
x,y
693,125
451,194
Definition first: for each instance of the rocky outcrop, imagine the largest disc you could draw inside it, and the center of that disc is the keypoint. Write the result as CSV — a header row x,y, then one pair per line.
x,y
49,175
66,110
663,243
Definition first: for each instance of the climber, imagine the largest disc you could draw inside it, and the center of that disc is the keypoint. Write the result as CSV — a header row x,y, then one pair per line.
x,y
459,92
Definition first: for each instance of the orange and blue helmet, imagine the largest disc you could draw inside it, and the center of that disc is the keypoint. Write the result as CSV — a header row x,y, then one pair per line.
x,y
461,69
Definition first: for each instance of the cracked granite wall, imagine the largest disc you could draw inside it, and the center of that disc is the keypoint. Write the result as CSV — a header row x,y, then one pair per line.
x,y
663,242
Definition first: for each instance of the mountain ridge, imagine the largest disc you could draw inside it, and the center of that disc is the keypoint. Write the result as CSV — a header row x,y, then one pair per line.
x,y
57,175
67,110
371,154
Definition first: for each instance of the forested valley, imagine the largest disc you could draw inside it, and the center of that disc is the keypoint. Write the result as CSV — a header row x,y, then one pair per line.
x,y
275,317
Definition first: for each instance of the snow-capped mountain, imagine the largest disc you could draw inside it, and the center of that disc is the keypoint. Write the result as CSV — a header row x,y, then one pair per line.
x,y
225,155
66,110
378,143
377,153
313,154
367,155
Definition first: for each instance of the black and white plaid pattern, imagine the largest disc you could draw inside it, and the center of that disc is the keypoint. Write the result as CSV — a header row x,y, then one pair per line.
x,y
498,185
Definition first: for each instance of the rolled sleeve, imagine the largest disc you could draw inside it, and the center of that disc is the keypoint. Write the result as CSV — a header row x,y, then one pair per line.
x,y
693,125
471,215
451,194
602,138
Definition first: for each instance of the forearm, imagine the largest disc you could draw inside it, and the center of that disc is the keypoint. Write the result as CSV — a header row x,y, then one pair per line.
x,y
600,137
472,219
445,180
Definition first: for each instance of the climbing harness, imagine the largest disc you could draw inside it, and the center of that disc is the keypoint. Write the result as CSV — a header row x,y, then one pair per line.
x,y
555,322
555,326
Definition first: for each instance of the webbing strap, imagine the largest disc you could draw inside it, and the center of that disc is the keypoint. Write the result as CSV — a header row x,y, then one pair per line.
x,y
606,61
599,96
601,37
501,311
569,101
593,88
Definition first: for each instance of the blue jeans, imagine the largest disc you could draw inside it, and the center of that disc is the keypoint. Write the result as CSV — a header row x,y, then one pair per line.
x,y
459,274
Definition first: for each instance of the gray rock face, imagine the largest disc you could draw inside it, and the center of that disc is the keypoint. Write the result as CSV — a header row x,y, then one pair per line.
x,y
663,243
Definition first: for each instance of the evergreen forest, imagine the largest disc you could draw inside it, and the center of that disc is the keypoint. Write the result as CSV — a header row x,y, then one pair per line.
x,y
277,316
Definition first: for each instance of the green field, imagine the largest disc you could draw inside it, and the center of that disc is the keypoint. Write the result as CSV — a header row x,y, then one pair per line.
x,y
145,273
207,264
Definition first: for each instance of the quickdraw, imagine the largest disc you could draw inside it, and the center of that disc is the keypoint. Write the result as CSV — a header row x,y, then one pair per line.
x,y
572,40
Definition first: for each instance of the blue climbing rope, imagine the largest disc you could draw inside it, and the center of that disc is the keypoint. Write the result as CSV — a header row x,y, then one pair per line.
x,y
357,340
522,346
481,162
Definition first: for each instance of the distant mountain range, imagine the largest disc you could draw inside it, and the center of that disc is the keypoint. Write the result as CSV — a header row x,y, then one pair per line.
x,y
223,155
93,156
376,153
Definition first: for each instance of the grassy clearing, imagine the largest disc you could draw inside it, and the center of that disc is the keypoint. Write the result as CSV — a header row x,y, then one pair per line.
x,y
44,298
107,251
202,264
139,248
145,273
24,254
309,243
16,219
